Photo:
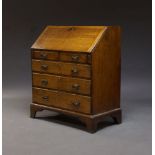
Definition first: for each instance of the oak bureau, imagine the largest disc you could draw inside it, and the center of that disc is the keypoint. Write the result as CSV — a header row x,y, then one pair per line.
x,y
76,72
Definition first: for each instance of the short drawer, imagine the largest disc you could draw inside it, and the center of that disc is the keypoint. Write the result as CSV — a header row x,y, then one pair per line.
x,y
62,100
74,85
45,55
74,57
62,68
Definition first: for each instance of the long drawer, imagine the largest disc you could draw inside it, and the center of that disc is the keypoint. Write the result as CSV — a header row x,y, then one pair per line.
x,y
61,68
63,100
74,85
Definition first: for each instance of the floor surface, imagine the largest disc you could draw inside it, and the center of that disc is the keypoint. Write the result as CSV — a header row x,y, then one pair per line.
x,y
25,136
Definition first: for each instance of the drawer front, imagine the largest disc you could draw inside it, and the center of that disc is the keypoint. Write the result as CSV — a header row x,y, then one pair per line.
x,y
74,85
45,97
46,67
45,55
74,57
45,81
60,68
62,100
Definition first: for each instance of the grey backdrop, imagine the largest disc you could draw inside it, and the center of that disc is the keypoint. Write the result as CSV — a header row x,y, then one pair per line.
x,y
23,21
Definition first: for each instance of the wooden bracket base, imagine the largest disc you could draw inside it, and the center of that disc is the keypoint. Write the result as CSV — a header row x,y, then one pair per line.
x,y
91,121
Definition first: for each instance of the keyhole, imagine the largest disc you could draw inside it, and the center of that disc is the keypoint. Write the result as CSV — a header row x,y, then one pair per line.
x,y
71,28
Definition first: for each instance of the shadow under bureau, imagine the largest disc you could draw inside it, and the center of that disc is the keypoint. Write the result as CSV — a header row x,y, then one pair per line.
x,y
76,72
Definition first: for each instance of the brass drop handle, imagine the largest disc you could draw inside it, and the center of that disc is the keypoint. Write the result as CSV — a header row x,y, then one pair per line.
x,y
76,103
43,55
44,67
75,57
74,71
44,82
45,98
75,86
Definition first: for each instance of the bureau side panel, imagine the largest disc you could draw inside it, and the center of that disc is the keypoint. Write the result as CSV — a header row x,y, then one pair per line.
x,y
106,66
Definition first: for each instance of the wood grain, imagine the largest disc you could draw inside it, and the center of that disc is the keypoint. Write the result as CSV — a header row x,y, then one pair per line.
x,y
61,68
74,85
73,57
62,100
45,81
90,120
69,38
106,72
45,55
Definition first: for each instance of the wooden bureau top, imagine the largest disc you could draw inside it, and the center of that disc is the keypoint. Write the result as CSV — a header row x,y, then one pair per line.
x,y
69,38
